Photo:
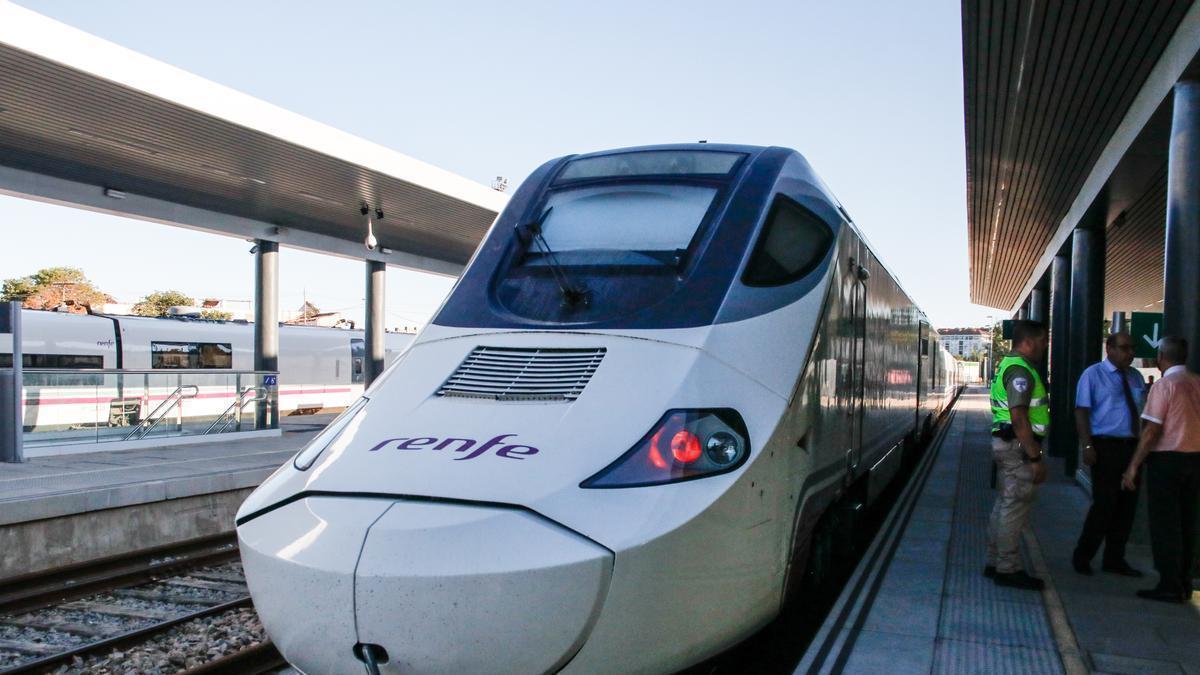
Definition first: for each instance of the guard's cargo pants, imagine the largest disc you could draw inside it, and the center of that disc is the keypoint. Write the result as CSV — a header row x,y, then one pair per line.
x,y
1014,500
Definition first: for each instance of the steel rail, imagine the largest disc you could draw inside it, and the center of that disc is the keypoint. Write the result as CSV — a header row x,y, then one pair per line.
x,y
260,658
136,636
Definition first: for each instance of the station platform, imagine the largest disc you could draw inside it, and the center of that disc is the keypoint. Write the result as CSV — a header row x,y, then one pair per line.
x,y
919,603
63,509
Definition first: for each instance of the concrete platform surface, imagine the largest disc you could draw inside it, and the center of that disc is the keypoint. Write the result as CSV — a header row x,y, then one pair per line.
x,y
64,485
928,608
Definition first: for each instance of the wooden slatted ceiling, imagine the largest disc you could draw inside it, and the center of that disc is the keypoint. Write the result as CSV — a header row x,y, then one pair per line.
x,y
1046,84
1133,279
58,120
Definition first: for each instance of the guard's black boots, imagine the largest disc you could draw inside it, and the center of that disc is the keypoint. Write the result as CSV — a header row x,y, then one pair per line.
x,y
1173,597
1122,568
1019,579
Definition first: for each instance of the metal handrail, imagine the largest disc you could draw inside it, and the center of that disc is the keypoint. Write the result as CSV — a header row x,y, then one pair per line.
x,y
227,417
165,407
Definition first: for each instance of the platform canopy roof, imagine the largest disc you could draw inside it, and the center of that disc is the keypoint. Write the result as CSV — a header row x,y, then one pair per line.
x,y
1066,101
81,112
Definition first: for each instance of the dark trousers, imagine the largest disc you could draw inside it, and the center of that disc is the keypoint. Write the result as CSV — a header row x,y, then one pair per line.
x,y
1110,520
1173,479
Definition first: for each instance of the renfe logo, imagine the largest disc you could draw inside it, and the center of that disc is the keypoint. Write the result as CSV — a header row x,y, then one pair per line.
x,y
467,445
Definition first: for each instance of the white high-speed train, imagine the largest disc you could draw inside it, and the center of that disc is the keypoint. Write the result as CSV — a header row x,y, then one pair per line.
x,y
319,368
632,432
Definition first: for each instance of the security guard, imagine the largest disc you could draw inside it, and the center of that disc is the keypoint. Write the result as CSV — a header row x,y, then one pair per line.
x,y
1020,417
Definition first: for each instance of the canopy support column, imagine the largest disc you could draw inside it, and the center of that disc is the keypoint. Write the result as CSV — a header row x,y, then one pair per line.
x,y
1087,306
11,384
1181,312
1062,424
374,339
266,325
1037,305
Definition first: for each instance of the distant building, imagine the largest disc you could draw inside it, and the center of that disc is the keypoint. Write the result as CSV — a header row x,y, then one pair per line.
x,y
324,319
970,344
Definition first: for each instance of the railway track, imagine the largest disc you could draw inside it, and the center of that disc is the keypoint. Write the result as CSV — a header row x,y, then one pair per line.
x,y
152,607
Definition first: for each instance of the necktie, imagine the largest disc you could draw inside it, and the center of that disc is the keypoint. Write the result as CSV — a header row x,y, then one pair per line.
x,y
1133,415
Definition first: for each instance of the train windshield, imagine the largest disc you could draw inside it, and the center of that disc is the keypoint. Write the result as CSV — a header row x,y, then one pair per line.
x,y
613,234
622,224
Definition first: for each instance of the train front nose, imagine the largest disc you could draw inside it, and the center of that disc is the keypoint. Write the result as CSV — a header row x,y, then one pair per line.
x,y
440,587
299,561
472,589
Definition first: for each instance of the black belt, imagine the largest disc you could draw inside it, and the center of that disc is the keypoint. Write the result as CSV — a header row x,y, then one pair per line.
x,y
1006,433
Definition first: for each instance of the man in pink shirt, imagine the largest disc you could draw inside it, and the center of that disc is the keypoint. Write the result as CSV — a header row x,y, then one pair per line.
x,y
1170,444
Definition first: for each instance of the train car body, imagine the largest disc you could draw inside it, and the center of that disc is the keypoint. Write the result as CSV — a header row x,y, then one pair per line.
x,y
319,368
613,448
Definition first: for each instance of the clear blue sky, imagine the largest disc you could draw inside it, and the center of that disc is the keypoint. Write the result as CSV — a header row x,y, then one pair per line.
x,y
870,92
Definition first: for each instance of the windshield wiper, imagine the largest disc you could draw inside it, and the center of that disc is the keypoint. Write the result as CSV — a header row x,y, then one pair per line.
x,y
572,294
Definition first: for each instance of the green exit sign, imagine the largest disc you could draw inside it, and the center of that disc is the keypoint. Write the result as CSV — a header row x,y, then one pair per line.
x,y
1146,330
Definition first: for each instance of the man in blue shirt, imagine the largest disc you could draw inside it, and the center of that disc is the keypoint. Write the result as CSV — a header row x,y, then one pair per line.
x,y
1107,403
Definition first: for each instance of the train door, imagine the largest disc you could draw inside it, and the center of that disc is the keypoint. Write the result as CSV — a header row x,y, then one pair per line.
x,y
924,371
858,357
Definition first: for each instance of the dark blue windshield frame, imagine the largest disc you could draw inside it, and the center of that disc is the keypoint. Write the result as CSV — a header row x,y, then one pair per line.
x,y
713,261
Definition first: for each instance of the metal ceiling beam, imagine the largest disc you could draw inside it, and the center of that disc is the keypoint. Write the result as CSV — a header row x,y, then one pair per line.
x,y
40,187
86,111
1177,56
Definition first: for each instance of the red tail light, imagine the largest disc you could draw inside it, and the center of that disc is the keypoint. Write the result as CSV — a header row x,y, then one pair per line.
x,y
685,447
674,450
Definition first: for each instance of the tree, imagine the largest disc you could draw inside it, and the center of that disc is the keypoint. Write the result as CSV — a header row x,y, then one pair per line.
x,y
52,287
216,314
159,303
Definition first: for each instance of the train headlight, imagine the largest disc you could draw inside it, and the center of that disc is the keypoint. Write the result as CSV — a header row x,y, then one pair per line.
x,y
722,448
306,457
673,451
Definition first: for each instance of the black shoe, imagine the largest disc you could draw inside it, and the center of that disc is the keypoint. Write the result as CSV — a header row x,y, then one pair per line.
x,y
989,571
1162,596
1122,568
1019,579
1082,567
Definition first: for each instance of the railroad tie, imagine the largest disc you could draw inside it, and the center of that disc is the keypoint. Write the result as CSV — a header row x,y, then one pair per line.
x,y
120,610
185,582
73,628
160,596
34,648
216,575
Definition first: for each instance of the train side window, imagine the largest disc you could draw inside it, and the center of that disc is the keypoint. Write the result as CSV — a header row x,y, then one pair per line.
x,y
72,361
358,351
792,244
58,362
165,355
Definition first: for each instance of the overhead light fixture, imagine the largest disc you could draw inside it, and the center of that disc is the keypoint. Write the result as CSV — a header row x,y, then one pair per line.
x,y
371,242
228,174
136,145
115,194
384,250
319,198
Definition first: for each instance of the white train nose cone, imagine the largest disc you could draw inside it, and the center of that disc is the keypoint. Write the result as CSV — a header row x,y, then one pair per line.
x,y
299,562
448,588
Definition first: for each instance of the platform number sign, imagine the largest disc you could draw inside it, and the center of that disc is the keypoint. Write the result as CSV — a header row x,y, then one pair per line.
x,y
1146,330
269,380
